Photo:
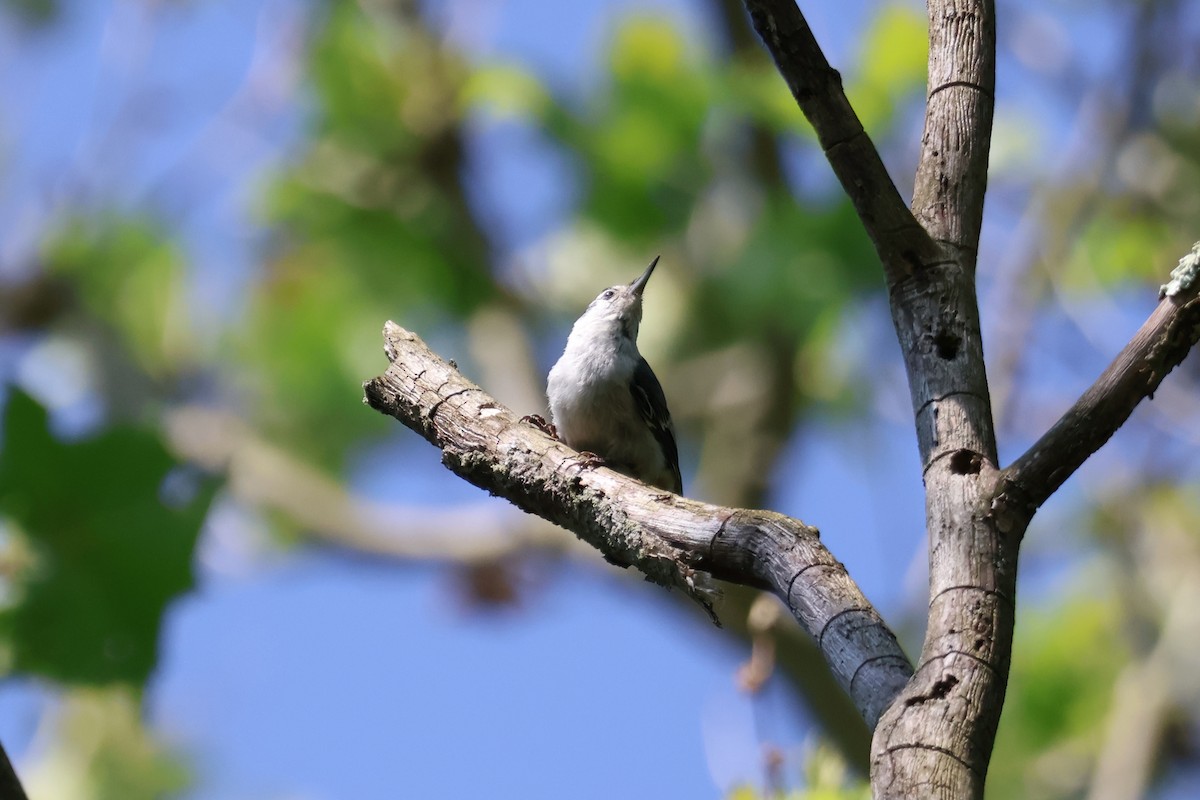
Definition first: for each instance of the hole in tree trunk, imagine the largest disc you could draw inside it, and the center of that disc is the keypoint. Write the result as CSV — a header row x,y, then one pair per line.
x,y
964,462
946,344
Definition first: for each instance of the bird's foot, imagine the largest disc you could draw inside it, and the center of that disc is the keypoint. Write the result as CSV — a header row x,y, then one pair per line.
x,y
539,422
589,460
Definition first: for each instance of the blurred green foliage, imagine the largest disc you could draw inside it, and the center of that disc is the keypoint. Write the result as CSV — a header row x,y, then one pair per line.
x,y
33,12
824,776
1120,245
129,273
640,144
1066,656
792,271
893,53
374,222
377,195
373,225
111,548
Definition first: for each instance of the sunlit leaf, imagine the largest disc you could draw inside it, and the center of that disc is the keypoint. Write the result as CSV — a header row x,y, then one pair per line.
x,y
648,49
640,145
895,48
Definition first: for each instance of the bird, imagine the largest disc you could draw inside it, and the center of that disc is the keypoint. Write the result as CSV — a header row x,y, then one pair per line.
x,y
606,400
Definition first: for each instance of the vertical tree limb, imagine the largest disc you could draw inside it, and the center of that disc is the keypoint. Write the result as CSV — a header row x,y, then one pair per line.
x,y
937,738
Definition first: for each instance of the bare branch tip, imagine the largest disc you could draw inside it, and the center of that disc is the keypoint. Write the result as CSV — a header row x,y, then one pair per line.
x,y
392,335
1184,276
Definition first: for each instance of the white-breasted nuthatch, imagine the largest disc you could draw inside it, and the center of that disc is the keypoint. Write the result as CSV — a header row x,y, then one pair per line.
x,y
604,397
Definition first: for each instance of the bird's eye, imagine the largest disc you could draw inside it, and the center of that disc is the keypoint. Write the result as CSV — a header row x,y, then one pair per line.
x,y
608,294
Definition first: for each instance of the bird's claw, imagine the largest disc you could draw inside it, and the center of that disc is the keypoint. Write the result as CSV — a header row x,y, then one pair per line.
x,y
539,422
588,460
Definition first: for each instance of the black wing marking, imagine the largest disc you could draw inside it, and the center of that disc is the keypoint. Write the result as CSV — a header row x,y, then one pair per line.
x,y
652,405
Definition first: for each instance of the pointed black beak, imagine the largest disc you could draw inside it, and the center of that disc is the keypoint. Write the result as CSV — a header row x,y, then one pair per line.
x,y
639,284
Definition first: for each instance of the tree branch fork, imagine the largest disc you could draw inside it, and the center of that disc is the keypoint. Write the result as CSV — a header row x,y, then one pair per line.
x,y
936,739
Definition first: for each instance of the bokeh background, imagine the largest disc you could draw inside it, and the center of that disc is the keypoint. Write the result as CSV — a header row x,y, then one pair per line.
x,y
221,576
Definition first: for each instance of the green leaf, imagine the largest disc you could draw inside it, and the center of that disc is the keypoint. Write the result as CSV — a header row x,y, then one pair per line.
x,y
110,553
648,49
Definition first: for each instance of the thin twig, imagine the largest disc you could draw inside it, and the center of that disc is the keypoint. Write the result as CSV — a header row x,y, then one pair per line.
x,y
1157,348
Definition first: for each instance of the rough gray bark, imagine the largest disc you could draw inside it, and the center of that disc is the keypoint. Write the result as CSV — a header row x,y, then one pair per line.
x,y
674,541
936,738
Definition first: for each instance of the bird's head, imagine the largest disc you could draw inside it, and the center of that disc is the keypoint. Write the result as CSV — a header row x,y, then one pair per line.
x,y
621,305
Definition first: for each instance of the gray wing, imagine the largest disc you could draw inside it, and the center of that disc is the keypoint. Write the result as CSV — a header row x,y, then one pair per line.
x,y
652,405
